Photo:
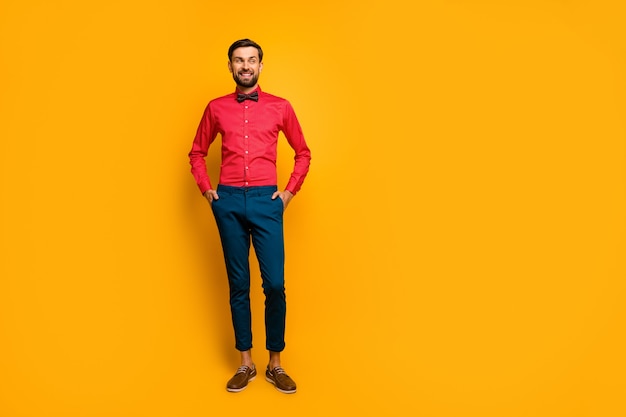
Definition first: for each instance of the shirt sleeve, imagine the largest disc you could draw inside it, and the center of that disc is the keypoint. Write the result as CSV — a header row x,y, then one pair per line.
x,y
205,135
302,158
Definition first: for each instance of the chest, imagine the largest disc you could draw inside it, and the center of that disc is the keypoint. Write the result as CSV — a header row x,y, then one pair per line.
x,y
252,119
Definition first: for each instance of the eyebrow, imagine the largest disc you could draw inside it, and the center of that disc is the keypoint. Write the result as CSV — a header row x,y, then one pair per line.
x,y
241,57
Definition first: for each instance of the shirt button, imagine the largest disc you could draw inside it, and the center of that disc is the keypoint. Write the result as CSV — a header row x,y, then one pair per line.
x,y
246,182
246,121
246,152
246,167
246,107
246,136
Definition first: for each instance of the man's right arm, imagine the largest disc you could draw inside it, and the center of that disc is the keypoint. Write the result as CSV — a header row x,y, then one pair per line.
x,y
205,135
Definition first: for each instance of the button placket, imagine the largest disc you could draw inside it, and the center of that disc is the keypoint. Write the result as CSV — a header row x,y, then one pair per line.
x,y
246,144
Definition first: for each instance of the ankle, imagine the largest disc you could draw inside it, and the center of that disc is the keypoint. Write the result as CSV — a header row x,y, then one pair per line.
x,y
246,358
274,360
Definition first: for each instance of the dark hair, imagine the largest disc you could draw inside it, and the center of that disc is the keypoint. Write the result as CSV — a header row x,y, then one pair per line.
x,y
242,43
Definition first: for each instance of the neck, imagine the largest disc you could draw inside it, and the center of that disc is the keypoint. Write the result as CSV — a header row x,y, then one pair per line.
x,y
247,90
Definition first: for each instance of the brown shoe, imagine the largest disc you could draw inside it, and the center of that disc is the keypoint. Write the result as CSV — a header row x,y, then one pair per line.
x,y
281,380
240,380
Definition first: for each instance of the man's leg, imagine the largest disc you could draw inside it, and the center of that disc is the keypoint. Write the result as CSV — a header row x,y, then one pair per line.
x,y
266,225
229,211
266,218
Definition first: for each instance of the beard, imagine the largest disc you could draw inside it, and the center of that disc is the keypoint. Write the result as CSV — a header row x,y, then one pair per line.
x,y
246,83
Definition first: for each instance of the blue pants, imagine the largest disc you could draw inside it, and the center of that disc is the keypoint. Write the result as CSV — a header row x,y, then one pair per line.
x,y
244,214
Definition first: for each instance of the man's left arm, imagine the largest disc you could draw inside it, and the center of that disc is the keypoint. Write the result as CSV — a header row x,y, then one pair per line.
x,y
302,158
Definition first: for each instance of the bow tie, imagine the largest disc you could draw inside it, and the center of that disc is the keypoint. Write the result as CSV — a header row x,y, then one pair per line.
x,y
253,96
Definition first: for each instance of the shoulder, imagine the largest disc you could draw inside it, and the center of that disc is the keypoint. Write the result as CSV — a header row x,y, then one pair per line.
x,y
280,104
227,98
272,98
219,105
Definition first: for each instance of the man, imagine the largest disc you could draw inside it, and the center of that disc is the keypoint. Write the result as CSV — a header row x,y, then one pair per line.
x,y
247,204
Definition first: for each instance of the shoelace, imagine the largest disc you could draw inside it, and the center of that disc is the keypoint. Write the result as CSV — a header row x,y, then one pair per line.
x,y
242,369
279,370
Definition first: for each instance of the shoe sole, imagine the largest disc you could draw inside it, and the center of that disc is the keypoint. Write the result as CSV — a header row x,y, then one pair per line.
x,y
240,389
271,381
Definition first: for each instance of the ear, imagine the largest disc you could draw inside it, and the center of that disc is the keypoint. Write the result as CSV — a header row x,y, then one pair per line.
x,y
260,67
230,67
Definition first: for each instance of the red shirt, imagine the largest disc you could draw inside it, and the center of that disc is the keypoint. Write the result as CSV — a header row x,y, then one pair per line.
x,y
249,140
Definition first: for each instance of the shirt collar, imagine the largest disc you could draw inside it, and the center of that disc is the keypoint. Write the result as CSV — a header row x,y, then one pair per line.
x,y
238,91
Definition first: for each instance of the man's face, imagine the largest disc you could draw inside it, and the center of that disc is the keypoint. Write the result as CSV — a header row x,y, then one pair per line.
x,y
245,66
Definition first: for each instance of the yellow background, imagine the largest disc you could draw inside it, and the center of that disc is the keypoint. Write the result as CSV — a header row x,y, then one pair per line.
x,y
457,249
